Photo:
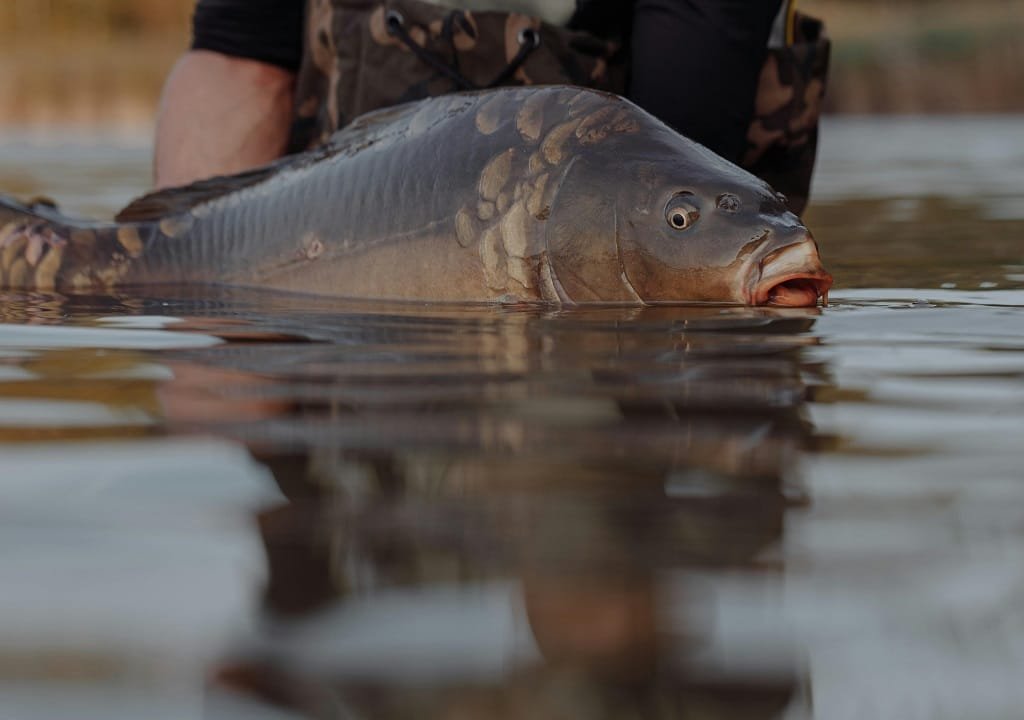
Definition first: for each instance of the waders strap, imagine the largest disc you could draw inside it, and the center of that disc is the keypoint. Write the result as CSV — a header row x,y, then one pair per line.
x,y
529,40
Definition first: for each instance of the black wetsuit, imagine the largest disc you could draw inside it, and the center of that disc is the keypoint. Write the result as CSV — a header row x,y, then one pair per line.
x,y
694,63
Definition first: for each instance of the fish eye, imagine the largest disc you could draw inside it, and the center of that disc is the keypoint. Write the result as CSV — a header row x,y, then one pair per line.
x,y
681,213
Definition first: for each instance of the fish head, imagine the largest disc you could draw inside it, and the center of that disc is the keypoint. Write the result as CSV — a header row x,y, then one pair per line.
x,y
654,217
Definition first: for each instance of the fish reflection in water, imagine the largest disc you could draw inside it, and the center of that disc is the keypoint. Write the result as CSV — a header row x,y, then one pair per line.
x,y
507,514
487,512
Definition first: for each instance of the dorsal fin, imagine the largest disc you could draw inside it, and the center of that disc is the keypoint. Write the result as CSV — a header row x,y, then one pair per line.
x,y
174,201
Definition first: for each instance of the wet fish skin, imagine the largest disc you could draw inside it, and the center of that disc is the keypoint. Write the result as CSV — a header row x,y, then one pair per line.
x,y
549,194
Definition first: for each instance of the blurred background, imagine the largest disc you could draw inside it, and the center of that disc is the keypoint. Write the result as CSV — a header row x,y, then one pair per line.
x,y
87,62
101,62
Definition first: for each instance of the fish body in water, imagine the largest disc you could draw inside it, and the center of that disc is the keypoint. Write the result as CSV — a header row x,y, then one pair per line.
x,y
548,194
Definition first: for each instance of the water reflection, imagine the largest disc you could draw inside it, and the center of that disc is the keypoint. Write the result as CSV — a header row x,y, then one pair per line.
x,y
484,510
931,242
494,523
511,511
127,565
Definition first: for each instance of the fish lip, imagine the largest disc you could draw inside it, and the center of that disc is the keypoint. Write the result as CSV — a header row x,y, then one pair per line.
x,y
789,263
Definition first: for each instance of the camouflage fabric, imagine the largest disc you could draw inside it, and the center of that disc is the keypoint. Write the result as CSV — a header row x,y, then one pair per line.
x,y
783,137
355,63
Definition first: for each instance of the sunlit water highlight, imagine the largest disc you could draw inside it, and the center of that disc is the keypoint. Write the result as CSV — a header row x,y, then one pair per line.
x,y
233,504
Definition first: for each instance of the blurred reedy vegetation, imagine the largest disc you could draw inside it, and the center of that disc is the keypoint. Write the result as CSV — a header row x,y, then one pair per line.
x,y
87,61
924,56
103,61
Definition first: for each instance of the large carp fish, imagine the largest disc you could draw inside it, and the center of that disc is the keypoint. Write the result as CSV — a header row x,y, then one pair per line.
x,y
547,194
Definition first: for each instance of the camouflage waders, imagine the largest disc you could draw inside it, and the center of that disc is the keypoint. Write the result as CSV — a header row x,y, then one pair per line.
x,y
783,137
362,55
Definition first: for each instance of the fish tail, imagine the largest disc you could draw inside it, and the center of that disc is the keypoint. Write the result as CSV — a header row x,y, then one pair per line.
x,y
41,249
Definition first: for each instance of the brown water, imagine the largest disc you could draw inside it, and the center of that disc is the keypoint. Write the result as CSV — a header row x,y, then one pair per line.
x,y
248,505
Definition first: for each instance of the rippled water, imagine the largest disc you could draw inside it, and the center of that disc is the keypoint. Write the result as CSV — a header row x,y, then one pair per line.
x,y
232,504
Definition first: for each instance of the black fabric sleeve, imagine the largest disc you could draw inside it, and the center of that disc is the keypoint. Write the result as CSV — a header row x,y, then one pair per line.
x,y
266,30
696,65
610,19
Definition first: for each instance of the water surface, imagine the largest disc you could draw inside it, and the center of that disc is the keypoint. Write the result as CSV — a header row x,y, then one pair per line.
x,y
232,504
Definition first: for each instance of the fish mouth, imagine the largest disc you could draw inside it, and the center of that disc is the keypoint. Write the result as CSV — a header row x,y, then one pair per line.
x,y
791,276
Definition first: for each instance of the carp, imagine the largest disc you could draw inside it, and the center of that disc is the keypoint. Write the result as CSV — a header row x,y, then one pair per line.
x,y
547,194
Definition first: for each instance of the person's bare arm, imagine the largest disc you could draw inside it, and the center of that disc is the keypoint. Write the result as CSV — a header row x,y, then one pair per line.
x,y
220,115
